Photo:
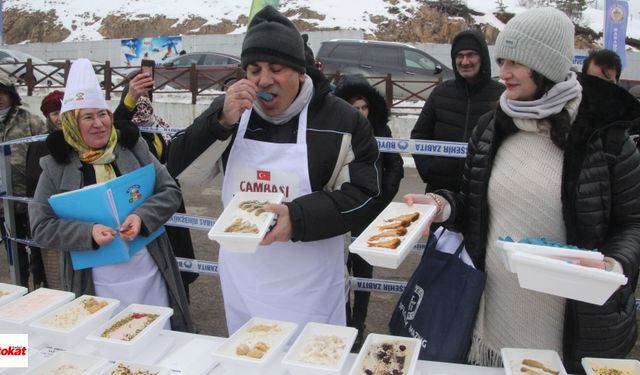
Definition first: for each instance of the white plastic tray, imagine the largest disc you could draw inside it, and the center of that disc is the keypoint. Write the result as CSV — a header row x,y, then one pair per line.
x,y
630,365
557,277
374,339
392,258
296,366
137,367
512,359
237,364
89,364
243,242
115,349
509,248
13,292
67,337
17,314
192,357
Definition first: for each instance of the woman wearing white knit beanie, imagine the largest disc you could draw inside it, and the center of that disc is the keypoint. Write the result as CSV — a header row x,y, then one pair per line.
x,y
554,161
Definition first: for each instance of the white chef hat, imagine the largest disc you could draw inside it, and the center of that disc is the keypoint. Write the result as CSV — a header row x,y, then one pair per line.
x,y
82,89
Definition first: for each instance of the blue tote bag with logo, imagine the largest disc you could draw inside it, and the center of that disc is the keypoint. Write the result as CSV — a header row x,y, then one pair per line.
x,y
439,305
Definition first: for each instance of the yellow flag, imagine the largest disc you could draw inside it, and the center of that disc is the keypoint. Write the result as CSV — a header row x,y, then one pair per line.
x,y
257,5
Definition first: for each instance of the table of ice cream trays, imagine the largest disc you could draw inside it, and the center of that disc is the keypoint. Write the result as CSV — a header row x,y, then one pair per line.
x,y
74,336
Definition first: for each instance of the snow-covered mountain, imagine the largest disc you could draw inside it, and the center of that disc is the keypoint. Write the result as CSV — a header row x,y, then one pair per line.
x,y
83,18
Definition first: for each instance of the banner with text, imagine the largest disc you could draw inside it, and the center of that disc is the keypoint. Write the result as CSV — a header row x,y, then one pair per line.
x,y
616,13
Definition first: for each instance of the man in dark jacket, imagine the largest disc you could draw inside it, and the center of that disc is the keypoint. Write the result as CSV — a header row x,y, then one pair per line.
x,y
279,129
453,108
604,64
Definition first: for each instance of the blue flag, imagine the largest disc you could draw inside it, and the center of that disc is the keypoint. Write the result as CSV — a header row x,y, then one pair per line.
x,y
616,14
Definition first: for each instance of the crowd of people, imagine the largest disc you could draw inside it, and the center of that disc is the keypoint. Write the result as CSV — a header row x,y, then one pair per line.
x,y
550,155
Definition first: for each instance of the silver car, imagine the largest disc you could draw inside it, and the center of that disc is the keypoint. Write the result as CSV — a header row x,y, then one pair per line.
x,y
14,63
413,70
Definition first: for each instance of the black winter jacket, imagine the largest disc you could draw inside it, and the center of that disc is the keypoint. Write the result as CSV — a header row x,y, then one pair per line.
x,y
333,127
392,164
600,206
449,114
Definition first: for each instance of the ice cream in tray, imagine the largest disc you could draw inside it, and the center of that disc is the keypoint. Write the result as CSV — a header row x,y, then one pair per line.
x,y
72,322
15,315
387,241
321,349
10,292
385,354
127,334
68,363
244,222
253,348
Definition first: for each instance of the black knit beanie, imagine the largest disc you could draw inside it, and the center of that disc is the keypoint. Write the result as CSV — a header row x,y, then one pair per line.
x,y
465,41
272,38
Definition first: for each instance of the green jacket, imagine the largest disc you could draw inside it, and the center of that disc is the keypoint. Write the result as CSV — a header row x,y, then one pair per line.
x,y
20,123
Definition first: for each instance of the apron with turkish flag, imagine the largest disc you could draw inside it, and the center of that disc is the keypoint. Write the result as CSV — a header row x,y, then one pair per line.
x,y
299,282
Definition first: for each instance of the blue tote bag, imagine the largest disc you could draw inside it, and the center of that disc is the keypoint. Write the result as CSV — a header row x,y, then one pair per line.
x,y
439,305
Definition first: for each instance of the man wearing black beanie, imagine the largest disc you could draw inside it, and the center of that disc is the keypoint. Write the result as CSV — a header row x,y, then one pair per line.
x,y
279,130
453,108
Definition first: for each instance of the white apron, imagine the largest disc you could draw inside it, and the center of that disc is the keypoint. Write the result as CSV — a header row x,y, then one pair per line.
x,y
298,282
137,280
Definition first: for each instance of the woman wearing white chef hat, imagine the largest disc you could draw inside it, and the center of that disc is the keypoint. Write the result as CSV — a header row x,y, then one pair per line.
x,y
89,150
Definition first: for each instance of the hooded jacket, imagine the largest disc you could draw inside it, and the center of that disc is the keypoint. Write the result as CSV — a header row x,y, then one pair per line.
x,y
343,160
600,206
392,164
450,113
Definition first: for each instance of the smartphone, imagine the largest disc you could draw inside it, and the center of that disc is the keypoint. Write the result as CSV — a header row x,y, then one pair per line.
x,y
147,66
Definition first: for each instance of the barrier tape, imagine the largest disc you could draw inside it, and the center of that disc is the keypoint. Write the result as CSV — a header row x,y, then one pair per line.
x,y
17,141
391,145
16,198
422,147
170,131
376,285
191,221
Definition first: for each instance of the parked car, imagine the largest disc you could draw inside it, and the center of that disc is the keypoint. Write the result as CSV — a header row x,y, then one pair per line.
x,y
377,59
14,63
215,70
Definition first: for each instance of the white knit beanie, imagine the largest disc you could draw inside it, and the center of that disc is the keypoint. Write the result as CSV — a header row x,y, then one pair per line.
x,y
542,39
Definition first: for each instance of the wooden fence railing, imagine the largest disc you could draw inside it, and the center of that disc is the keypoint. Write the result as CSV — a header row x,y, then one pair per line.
x,y
195,80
